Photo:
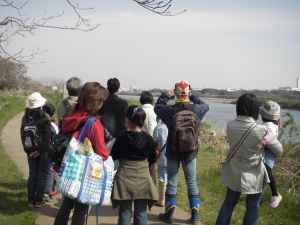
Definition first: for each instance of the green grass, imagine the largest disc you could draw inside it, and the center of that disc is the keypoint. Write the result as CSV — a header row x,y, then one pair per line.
x,y
213,193
13,197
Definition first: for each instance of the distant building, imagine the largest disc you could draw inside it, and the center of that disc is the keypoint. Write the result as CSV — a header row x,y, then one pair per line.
x,y
285,88
232,90
298,83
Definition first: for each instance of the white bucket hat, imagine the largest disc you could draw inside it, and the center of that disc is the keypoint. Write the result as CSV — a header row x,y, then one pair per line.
x,y
35,100
270,110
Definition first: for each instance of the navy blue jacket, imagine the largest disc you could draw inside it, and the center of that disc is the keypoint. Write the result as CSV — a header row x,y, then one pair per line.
x,y
166,113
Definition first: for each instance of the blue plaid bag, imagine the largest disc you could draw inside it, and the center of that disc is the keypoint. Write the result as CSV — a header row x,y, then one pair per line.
x,y
84,175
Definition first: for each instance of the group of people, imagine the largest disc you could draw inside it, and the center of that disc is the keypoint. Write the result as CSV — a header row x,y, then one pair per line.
x,y
151,141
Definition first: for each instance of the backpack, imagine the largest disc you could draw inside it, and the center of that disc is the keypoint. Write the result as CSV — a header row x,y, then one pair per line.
x,y
30,135
59,144
185,131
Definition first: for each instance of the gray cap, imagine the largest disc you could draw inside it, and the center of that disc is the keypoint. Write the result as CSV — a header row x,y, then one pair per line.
x,y
270,110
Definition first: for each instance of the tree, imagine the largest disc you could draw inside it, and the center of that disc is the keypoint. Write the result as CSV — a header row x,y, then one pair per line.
x,y
12,74
17,24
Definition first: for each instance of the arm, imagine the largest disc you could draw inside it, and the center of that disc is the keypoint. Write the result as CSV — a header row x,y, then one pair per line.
x,y
162,110
116,148
200,107
97,139
154,151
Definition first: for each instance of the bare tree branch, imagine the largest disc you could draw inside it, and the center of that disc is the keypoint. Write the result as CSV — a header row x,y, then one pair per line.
x,y
160,7
19,25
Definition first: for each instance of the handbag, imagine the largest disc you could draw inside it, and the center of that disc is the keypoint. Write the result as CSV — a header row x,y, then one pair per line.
x,y
85,176
237,146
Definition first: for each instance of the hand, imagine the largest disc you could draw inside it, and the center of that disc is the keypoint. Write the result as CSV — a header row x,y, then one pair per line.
x,y
171,93
34,154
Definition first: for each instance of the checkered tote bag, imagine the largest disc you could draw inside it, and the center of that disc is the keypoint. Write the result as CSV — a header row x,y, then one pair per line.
x,y
84,175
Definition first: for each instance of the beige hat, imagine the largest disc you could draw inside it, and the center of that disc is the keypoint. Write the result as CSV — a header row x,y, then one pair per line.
x,y
270,110
35,100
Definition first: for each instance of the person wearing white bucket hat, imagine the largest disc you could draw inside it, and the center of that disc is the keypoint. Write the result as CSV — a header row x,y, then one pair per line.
x,y
35,100
35,135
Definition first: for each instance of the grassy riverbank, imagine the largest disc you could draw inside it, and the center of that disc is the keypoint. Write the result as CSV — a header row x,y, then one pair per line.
x,y
13,203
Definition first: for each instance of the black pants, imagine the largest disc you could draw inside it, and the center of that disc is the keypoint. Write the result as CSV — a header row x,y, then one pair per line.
x,y
37,178
272,181
79,215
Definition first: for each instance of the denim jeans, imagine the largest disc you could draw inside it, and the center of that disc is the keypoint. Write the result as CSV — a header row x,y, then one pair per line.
x,y
231,199
49,186
162,166
140,216
79,215
37,178
190,173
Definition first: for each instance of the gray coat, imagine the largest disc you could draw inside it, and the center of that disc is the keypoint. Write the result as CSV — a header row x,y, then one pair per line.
x,y
246,172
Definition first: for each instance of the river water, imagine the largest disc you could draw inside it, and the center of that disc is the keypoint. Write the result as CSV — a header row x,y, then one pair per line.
x,y
221,113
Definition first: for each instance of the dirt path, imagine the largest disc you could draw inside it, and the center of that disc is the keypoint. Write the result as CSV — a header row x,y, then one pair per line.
x,y
12,144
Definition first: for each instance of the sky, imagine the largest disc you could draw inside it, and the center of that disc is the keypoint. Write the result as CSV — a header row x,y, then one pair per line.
x,y
215,44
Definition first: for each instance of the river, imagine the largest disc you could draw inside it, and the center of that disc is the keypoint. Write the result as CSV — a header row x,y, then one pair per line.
x,y
221,113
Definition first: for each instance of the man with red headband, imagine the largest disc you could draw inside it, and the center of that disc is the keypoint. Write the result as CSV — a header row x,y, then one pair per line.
x,y
183,120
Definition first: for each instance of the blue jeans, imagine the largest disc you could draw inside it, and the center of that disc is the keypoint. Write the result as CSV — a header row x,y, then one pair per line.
x,y
37,178
231,199
190,173
140,216
162,166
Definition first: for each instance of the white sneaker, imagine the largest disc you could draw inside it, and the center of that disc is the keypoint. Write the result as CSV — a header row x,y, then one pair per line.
x,y
275,200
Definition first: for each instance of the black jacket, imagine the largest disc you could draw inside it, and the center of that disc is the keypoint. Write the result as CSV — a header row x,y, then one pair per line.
x,y
113,114
43,124
135,146
166,113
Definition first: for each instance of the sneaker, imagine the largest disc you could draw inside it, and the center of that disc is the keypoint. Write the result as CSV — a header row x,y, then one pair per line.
x,y
53,193
167,217
39,204
275,200
30,205
195,217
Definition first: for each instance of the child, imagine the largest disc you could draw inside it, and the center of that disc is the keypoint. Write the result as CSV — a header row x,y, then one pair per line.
x,y
270,114
49,109
160,135
136,151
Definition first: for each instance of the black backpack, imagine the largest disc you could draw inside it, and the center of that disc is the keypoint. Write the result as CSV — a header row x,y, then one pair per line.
x,y
185,131
59,146
30,135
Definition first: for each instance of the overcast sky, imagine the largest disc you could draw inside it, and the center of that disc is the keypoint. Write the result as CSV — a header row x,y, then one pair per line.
x,y
215,44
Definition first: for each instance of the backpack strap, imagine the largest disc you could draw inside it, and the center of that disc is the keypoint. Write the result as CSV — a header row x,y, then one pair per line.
x,y
237,146
86,127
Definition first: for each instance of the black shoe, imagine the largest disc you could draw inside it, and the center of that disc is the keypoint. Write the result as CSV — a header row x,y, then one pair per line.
x,y
195,217
167,217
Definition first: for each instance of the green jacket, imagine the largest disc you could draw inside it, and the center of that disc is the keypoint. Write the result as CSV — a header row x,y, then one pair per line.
x,y
246,172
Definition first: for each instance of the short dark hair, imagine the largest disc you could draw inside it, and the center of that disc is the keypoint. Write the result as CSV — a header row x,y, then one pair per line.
x,y
248,105
49,109
91,98
73,86
136,115
113,85
146,98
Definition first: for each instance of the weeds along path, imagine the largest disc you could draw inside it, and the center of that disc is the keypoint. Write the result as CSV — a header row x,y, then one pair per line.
x,y
13,147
